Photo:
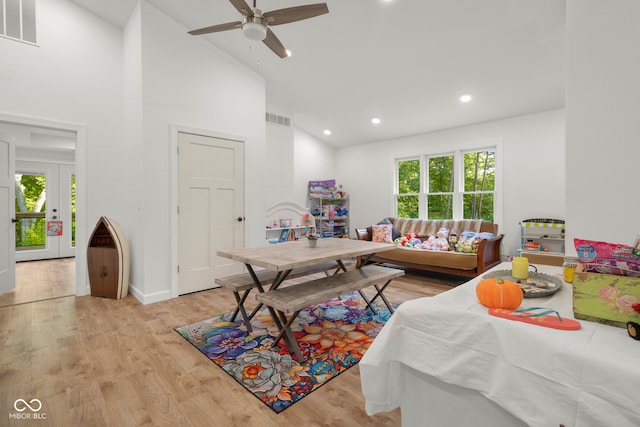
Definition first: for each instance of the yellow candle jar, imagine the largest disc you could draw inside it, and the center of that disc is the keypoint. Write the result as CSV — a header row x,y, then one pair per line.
x,y
520,267
569,267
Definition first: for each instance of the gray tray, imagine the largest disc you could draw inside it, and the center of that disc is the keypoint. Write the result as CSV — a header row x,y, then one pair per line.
x,y
538,285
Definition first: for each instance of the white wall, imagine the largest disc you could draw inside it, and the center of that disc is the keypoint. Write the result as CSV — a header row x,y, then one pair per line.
x,y
293,158
133,134
314,160
532,151
279,164
603,123
187,82
63,80
127,88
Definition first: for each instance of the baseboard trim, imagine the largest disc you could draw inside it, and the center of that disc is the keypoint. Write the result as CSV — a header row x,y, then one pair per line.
x,y
149,298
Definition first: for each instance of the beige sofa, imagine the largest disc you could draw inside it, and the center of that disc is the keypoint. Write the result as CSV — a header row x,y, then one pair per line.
x,y
455,263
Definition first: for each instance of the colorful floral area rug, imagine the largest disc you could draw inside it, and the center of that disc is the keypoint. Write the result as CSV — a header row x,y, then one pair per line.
x,y
333,336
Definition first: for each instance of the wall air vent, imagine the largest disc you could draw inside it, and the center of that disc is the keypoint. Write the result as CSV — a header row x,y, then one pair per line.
x,y
274,119
18,20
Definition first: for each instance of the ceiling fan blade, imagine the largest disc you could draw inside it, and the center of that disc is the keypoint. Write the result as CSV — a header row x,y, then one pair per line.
x,y
242,7
274,44
216,28
297,13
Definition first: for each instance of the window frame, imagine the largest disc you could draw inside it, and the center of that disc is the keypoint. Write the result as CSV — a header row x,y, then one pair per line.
x,y
27,20
459,192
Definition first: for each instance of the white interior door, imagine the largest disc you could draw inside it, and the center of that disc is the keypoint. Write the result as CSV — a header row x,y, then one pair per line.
x,y
7,227
48,234
211,209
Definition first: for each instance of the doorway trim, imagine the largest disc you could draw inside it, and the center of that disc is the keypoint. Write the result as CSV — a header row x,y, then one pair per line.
x,y
174,130
82,285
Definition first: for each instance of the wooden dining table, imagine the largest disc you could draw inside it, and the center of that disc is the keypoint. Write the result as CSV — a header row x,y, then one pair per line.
x,y
289,255
283,258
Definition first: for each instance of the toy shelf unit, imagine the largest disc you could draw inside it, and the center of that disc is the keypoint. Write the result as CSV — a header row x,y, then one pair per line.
x,y
542,240
331,214
285,222
329,205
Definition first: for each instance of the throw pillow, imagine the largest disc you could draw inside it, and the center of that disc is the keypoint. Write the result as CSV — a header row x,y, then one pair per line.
x,y
381,233
395,233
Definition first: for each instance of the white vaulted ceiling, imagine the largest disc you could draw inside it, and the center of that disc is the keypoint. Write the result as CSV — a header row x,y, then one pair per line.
x,y
404,61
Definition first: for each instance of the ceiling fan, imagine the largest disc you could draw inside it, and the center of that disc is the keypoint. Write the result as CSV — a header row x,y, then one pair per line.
x,y
255,24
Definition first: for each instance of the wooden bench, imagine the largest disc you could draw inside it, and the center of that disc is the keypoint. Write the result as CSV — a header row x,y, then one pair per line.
x,y
243,283
289,301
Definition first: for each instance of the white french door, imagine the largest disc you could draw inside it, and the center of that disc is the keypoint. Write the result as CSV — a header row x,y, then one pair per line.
x,y
44,209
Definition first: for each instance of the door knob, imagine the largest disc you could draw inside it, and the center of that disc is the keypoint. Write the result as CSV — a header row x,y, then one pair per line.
x,y
240,219
13,220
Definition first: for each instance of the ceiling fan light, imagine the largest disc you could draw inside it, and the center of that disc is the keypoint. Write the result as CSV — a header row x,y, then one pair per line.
x,y
254,31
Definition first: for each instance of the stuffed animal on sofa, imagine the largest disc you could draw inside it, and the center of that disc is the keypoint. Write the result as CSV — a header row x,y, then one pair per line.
x,y
429,243
453,239
442,243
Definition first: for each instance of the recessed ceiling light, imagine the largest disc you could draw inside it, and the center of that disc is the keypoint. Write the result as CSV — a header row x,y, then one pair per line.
x,y
375,120
327,132
465,98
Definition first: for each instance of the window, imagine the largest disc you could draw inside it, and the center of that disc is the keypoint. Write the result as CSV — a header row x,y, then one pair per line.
x,y
31,212
408,194
479,184
456,185
18,19
440,190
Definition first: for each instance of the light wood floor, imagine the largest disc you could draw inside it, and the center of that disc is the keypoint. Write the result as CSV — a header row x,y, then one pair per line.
x,y
41,280
94,361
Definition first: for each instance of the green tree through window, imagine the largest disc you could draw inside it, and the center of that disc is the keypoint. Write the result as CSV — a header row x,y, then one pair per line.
x,y
408,188
459,185
440,193
30,198
479,184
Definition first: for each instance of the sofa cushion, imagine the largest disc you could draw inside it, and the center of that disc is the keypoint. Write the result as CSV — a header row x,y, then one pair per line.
x,y
459,260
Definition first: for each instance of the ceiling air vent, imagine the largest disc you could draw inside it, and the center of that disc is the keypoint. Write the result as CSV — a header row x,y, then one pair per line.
x,y
274,119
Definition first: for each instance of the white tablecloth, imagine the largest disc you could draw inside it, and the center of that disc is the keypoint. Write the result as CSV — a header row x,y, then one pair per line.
x,y
542,376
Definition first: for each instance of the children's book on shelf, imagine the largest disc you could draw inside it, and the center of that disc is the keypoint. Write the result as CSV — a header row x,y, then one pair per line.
x,y
287,235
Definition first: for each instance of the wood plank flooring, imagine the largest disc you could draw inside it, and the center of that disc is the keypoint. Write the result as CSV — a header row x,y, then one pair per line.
x,y
41,280
102,362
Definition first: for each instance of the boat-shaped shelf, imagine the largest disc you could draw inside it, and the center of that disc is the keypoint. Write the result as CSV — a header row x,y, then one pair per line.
x,y
108,260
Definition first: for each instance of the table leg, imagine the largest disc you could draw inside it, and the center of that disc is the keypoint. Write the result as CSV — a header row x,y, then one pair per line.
x,y
240,308
365,260
364,297
380,294
280,276
287,335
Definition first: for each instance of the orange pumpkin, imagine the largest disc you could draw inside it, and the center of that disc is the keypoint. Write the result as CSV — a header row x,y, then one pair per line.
x,y
499,293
